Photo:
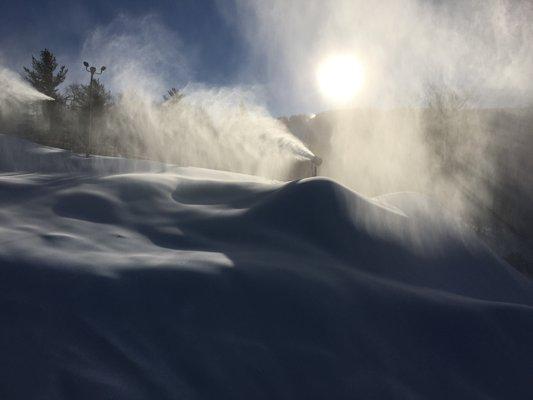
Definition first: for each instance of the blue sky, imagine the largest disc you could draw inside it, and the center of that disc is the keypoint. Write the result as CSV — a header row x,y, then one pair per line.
x,y
30,25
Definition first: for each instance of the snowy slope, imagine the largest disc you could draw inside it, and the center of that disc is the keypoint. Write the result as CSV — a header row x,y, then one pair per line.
x,y
126,279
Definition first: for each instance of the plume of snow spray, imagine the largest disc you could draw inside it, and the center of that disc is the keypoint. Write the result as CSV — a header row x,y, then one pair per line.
x,y
219,128
14,90
207,129
17,100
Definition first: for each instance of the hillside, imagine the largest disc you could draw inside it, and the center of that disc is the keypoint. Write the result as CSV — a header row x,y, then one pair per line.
x,y
135,280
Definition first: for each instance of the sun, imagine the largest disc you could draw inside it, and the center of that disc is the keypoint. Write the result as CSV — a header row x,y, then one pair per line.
x,y
340,77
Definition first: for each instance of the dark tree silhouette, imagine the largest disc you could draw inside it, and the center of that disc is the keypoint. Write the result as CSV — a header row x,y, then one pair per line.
x,y
447,128
42,75
77,97
174,95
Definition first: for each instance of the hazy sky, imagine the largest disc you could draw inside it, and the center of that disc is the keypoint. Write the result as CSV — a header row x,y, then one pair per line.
x,y
272,47
212,46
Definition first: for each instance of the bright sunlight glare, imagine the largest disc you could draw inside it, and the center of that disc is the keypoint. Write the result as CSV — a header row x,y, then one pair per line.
x,y
340,77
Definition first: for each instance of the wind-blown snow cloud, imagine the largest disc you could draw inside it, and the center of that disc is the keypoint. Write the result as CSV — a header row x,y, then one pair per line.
x,y
215,127
16,98
485,47
140,53
482,50
13,89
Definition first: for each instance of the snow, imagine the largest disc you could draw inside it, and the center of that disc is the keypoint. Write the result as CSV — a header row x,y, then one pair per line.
x,y
132,279
16,90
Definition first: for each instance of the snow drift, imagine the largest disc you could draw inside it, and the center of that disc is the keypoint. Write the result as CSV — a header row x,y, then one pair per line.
x,y
136,280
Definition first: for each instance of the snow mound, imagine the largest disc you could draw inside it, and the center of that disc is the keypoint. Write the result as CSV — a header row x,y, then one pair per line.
x,y
135,280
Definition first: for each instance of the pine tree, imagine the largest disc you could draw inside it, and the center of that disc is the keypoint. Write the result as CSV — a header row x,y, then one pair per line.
x,y
43,77
42,74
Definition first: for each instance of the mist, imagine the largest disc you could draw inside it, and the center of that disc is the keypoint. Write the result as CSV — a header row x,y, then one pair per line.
x,y
418,123
15,91
475,46
216,127
209,128
212,127
422,121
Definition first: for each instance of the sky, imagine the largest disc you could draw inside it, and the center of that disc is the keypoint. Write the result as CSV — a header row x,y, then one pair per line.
x,y
212,46
273,47
30,25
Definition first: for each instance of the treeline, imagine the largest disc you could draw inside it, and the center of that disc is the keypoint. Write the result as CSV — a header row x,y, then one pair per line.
x,y
64,122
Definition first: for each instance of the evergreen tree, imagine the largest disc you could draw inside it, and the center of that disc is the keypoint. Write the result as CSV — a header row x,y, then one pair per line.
x,y
42,75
